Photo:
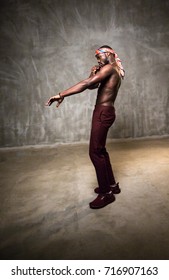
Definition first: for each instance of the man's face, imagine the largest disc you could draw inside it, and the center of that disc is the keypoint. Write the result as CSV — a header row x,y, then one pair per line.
x,y
102,59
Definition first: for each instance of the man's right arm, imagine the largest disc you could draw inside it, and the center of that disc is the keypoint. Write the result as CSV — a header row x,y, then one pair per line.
x,y
104,72
83,85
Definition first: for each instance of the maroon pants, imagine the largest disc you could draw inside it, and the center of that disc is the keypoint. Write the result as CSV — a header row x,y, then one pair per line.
x,y
103,118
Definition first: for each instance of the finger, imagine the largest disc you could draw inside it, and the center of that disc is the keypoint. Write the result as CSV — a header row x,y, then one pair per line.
x,y
59,102
57,105
48,103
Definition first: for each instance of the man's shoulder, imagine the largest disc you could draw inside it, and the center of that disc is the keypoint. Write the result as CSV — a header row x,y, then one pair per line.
x,y
108,67
108,70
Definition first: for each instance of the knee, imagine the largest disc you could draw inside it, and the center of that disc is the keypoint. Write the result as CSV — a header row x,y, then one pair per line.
x,y
96,152
91,153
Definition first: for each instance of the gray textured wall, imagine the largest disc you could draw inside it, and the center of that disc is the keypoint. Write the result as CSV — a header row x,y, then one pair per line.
x,y
48,45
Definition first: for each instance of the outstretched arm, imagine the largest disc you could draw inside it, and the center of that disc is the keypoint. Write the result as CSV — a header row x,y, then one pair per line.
x,y
104,72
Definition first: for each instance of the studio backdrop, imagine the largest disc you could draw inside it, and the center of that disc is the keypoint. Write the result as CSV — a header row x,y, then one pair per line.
x,y
47,46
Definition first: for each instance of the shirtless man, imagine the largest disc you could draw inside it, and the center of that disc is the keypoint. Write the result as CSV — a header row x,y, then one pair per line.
x,y
106,76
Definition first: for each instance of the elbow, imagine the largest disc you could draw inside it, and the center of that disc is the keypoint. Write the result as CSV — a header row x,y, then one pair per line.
x,y
89,84
93,86
92,83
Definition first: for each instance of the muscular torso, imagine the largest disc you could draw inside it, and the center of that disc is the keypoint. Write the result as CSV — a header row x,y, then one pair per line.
x,y
108,89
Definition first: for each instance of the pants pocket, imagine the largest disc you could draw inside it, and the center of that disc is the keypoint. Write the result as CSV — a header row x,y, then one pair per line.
x,y
107,117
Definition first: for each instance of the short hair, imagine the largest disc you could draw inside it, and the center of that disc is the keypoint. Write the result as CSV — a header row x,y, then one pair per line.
x,y
105,46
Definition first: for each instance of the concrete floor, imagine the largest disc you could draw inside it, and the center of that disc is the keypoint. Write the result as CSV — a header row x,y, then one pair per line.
x,y
44,196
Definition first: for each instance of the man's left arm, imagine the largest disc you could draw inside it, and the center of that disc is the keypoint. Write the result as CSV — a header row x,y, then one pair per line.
x,y
93,72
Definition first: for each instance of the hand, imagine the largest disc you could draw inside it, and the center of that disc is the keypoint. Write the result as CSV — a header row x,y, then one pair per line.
x,y
53,99
95,69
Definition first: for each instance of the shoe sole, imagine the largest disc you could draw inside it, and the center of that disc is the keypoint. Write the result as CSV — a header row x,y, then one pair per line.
x,y
95,207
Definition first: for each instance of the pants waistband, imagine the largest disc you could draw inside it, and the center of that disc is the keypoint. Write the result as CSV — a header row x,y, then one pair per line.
x,y
97,106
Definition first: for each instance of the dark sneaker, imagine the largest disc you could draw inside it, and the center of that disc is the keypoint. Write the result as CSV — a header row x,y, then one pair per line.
x,y
102,200
115,190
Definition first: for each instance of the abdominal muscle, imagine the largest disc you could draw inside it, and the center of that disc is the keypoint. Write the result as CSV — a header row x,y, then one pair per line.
x,y
108,90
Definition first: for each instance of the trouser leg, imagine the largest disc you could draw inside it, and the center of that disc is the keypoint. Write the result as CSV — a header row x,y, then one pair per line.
x,y
109,168
101,123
